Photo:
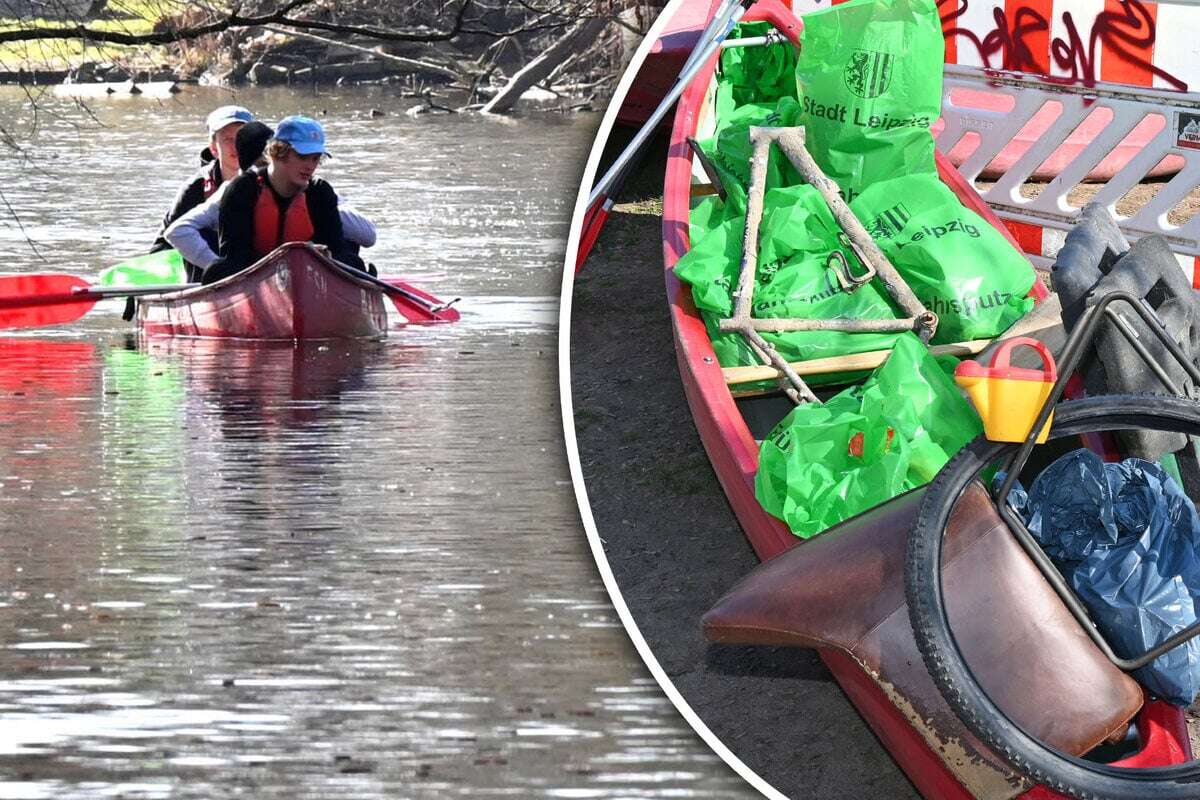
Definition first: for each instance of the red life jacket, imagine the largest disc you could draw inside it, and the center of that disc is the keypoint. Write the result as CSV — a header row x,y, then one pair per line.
x,y
272,228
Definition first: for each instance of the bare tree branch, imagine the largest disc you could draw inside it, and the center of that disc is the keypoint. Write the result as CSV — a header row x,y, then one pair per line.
x,y
233,20
543,65
384,34
12,212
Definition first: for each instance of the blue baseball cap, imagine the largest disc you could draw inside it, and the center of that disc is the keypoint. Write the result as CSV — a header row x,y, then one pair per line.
x,y
227,115
305,135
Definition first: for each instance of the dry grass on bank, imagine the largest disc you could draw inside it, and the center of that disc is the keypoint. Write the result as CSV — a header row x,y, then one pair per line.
x,y
122,16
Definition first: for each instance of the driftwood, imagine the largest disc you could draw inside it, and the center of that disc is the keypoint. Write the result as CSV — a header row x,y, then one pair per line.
x,y
544,65
374,52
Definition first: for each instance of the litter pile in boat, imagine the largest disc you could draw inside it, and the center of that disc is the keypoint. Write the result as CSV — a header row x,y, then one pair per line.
x,y
861,94
1125,536
901,425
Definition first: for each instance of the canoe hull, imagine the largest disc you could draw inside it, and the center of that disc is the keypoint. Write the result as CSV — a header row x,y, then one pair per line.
x,y
663,63
293,293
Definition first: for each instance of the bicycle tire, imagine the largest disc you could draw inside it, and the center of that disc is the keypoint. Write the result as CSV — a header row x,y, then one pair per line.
x,y
1059,771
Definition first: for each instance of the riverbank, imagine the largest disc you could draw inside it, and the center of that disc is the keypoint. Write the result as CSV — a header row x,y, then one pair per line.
x,y
567,59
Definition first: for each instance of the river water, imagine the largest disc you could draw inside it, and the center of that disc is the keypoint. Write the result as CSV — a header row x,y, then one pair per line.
x,y
341,569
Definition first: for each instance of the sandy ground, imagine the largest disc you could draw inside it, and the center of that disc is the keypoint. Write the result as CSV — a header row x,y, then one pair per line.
x,y
1128,205
673,542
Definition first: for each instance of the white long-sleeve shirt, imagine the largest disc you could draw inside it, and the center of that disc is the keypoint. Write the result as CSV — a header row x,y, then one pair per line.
x,y
184,234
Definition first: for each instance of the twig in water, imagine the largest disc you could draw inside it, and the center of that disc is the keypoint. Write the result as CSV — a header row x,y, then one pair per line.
x,y
21,226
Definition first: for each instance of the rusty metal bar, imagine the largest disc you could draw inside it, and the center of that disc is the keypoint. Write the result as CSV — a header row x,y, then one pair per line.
x,y
744,293
780,325
791,142
854,236
798,391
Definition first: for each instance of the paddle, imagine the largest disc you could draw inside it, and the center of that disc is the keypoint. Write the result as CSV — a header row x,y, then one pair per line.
x,y
604,193
412,303
419,306
597,215
31,301
163,266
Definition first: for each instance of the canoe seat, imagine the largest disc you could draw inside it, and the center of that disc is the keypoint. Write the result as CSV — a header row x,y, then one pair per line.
x,y
845,590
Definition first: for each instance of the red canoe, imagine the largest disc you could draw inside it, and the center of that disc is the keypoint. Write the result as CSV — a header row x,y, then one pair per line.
x,y
664,62
293,293
733,451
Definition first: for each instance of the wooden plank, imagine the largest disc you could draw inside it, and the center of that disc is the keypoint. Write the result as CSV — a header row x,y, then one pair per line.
x,y
1030,324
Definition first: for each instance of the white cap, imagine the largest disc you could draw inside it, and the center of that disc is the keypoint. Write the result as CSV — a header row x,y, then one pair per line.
x,y
227,115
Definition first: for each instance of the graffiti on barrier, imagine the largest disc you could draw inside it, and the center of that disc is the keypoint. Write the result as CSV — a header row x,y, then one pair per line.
x,y
1021,40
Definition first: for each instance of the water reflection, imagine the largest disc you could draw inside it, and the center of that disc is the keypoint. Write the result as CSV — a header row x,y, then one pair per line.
x,y
51,376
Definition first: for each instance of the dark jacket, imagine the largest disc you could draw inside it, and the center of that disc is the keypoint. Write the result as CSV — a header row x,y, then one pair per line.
x,y
236,223
195,191
198,188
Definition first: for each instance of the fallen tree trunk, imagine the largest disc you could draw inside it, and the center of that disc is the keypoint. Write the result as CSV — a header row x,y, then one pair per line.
x,y
412,63
543,65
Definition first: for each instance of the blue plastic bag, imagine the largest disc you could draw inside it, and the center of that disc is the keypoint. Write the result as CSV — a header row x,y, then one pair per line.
x,y
1126,538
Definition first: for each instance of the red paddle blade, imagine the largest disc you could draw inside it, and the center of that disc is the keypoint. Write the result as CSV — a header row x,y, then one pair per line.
x,y
31,301
593,222
414,310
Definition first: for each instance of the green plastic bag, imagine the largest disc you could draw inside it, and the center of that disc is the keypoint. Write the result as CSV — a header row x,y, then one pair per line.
x,y
729,149
824,463
755,86
960,267
165,266
710,265
794,221
756,74
796,235
869,82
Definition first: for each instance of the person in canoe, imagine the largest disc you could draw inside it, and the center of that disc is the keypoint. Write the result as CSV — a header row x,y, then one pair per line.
x,y
218,164
264,208
194,234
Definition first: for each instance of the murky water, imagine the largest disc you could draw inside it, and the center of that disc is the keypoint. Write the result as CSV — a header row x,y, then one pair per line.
x,y
341,569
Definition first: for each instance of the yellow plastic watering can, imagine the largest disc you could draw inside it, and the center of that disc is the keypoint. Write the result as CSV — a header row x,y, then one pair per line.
x,y
1009,398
